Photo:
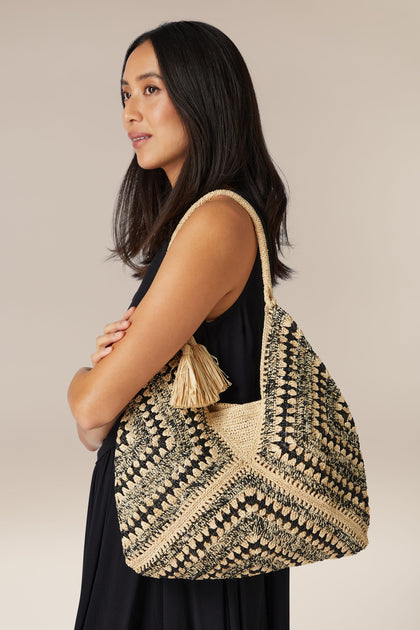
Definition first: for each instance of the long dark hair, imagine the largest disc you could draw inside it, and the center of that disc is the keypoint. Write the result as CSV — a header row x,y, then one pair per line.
x,y
209,85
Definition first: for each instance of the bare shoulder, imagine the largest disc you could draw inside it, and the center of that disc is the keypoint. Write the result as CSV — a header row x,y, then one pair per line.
x,y
226,211
223,220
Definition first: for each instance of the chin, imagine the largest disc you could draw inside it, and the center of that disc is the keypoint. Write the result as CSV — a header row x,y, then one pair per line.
x,y
146,165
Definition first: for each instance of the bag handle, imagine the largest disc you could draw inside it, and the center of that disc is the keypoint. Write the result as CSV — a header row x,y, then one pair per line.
x,y
199,380
259,229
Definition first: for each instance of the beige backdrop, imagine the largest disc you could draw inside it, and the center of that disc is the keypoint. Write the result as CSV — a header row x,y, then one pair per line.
x,y
338,89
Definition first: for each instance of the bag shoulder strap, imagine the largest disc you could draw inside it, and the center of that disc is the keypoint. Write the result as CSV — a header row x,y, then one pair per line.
x,y
259,229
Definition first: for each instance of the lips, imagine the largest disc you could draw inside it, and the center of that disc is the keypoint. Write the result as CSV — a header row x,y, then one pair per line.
x,y
137,135
138,143
138,138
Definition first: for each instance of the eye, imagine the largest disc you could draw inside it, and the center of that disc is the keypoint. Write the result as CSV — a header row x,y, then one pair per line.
x,y
151,87
125,96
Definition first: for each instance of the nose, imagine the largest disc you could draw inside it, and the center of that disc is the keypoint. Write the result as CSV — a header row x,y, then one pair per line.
x,y
132,110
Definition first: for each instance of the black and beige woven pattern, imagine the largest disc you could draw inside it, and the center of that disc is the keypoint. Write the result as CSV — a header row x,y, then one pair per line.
x,y
237,490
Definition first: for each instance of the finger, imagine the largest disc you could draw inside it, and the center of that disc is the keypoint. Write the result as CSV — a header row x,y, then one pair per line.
x,y
105,340
128,313
97,356
122,323
115,326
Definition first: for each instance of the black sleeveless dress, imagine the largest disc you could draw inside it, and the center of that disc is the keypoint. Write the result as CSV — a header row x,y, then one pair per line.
x,y
113,596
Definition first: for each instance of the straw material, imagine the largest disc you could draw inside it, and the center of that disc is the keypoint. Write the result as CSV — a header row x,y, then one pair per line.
x,y
232,490
199,381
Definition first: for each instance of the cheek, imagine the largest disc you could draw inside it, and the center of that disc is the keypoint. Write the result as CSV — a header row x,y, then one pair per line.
x,y
178,129
169,124
170,118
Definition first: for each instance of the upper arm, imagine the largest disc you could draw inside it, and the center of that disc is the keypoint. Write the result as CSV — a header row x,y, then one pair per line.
x,y
199,268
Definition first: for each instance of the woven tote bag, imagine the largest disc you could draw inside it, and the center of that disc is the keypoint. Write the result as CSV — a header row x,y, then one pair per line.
x,y
211,490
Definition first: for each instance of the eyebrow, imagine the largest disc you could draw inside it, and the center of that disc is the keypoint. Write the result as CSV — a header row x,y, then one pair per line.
x,y
141,77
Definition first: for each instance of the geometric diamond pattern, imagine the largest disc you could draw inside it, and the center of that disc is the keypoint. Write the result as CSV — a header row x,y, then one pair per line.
x,y
237,490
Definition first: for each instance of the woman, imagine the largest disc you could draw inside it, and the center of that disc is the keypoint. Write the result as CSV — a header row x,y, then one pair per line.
x,y
191,114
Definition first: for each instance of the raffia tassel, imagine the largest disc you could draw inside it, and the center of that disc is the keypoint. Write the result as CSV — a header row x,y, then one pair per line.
x,y
199,381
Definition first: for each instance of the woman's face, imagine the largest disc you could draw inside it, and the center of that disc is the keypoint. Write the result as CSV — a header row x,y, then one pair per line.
x,y
149,112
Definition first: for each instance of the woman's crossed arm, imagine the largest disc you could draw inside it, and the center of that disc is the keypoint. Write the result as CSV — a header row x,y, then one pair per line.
x,y
198,270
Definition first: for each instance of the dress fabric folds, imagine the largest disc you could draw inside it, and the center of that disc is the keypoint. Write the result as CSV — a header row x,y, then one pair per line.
x,y
113,596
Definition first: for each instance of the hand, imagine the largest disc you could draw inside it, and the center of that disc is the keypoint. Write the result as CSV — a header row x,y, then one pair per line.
x,y
112,333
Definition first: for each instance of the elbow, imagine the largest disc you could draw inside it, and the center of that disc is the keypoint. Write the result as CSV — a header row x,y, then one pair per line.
x,y
85,418
85,421
78,401
88,405
82,402
84,414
